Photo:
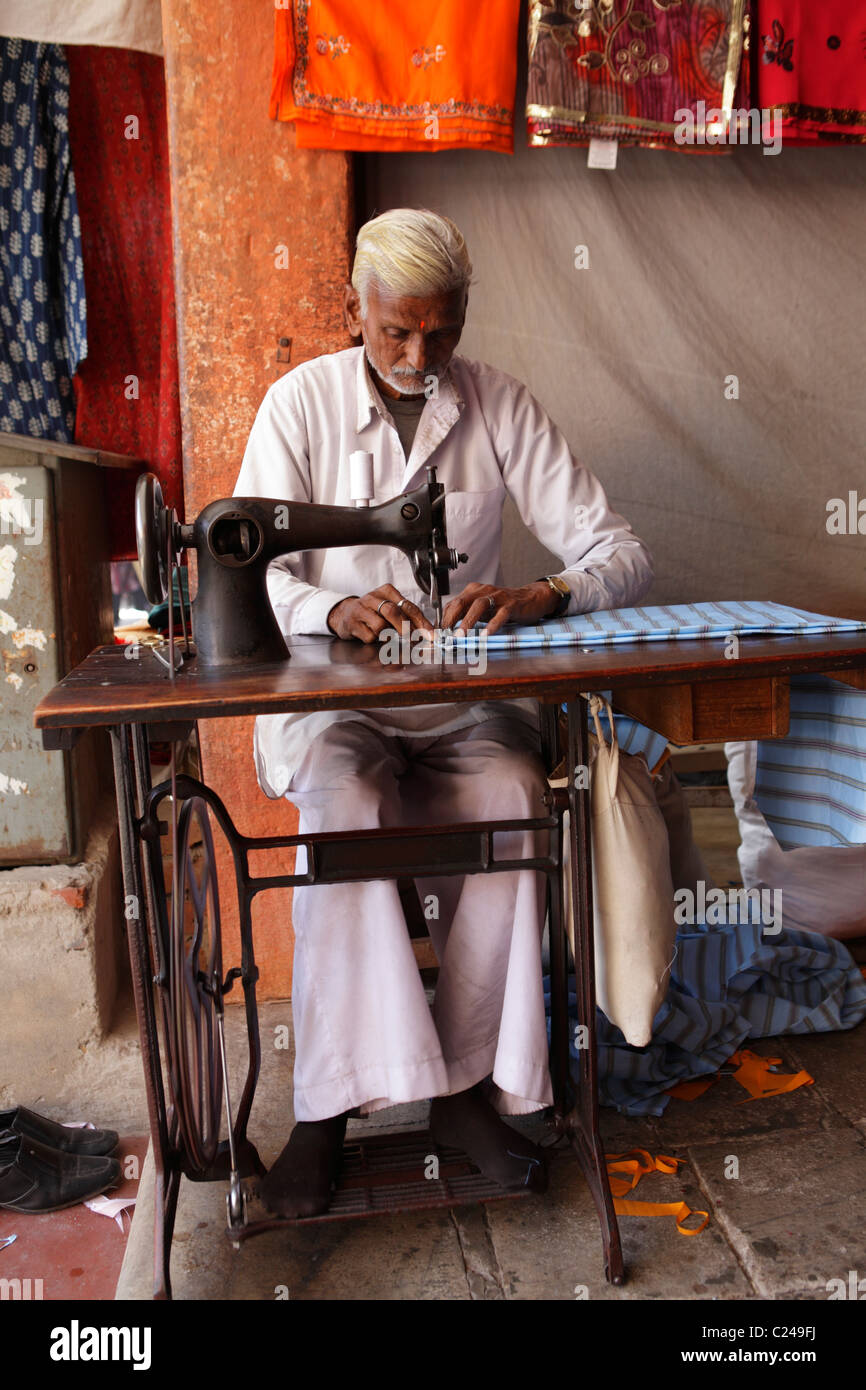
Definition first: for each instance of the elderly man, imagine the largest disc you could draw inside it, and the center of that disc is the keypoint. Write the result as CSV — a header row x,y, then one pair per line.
x,y
365,1037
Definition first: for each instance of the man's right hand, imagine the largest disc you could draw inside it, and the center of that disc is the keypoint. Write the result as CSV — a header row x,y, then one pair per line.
x,y
366,617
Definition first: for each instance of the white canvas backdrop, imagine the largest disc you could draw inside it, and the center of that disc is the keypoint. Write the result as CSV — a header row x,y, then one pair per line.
x,y
700,267
110,23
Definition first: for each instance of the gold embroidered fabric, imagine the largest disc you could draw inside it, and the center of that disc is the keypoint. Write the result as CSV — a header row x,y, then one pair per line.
x,y
622,69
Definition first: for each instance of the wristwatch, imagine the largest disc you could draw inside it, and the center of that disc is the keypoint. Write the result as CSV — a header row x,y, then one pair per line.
x,y
562,591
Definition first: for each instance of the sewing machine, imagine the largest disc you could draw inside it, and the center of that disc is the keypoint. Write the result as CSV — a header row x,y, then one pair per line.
x,y
236,538
689,690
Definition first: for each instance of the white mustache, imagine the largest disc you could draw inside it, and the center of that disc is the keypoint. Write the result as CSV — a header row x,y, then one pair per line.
x,y
409,374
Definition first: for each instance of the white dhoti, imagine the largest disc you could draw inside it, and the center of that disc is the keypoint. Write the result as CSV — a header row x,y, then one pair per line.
x,y
364,1033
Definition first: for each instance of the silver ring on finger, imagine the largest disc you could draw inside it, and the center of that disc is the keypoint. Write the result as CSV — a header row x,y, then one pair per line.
x,y
381,606
400,604
492,602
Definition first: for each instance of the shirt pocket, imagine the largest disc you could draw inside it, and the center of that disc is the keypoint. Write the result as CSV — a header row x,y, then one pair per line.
x,y
474,523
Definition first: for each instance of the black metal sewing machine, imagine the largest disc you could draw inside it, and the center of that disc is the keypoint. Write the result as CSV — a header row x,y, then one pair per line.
x,y
236,538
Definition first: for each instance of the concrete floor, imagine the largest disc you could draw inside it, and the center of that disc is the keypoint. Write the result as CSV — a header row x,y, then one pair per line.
x,y
793,1219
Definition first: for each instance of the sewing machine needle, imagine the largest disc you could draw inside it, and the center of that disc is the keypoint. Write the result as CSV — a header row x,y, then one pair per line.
x,y
436,599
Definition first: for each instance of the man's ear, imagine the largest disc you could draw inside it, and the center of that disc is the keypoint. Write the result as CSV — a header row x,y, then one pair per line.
x,y
352,310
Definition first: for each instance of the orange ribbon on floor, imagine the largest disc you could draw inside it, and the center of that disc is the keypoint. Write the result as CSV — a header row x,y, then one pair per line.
x,y
636,1163
753,1073
690,1090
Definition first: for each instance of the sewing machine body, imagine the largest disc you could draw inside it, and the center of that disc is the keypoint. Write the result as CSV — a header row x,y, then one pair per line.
x,y
237,538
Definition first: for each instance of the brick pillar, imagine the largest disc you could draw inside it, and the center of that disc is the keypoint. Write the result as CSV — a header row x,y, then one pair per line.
x,y
240,190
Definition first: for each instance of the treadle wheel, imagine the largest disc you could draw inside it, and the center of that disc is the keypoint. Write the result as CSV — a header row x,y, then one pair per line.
x,y
151,535
194,957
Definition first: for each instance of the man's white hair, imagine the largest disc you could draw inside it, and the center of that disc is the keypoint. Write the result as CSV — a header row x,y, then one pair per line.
x,y
410,251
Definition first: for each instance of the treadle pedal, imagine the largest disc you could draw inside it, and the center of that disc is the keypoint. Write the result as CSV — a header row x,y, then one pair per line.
x,y
386,1173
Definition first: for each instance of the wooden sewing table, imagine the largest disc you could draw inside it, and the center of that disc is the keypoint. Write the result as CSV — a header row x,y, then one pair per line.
x,y
687,690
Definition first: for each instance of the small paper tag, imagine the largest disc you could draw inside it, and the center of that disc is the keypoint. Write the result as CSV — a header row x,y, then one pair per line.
x,y
111,1206
602,154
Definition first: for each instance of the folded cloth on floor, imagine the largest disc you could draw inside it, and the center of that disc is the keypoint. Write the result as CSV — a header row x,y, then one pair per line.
x,y
683,621
728,984
436,74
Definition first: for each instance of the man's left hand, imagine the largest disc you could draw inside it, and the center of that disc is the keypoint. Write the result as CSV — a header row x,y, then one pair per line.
x,y
484,603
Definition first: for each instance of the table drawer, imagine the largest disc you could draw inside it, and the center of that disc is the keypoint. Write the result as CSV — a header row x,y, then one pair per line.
x,y
711,711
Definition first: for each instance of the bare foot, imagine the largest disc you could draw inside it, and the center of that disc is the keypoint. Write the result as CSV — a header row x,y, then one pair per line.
x,y
468,1121
300,1182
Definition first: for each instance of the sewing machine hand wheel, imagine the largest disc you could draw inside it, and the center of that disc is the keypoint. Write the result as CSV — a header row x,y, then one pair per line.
x,y
152,520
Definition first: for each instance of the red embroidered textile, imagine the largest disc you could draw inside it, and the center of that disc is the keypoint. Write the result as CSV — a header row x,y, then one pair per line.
x,y
124,204
622,69
396,74
811,64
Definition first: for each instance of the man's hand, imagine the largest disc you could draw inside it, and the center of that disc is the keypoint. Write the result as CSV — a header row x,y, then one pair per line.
x,y
366,617
482,602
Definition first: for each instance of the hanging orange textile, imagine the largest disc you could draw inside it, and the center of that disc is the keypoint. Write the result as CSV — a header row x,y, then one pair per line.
x,y
396,74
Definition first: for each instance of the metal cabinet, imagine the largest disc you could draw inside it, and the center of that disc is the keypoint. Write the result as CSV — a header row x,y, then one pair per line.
x,y
55,607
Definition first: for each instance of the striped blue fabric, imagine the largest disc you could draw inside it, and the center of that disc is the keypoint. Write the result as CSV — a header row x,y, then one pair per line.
x,y
635,738
728,985
811,785
737,982
665,622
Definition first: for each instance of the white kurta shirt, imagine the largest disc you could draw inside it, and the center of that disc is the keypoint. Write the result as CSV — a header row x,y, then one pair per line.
x,y
487,436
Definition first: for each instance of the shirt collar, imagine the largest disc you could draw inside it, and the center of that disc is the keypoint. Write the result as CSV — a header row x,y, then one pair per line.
x,y
448,404
368,399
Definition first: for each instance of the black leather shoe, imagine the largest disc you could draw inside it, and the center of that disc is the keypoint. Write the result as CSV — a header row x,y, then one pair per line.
x,y
29,1125
34,1178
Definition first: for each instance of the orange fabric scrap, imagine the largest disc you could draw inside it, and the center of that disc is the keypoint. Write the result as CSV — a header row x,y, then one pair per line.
x,y
394,75
635,1163
690,1090
753,1074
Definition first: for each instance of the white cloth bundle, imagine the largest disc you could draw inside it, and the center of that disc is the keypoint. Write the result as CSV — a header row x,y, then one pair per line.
x,y
821,888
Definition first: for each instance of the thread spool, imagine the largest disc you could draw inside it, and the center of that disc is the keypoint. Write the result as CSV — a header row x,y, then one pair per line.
x,y
361,478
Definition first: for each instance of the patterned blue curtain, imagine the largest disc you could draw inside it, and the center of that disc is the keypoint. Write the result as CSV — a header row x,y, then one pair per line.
x,y
43,311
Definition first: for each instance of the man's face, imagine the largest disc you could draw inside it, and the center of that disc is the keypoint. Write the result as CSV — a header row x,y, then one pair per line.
x,y
407,340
